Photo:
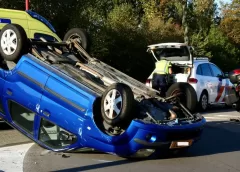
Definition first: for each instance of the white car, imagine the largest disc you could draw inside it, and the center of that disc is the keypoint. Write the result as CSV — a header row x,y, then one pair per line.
x,y
209,82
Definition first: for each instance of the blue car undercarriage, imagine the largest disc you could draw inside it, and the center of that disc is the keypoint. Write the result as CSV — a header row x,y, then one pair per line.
x,y
64,99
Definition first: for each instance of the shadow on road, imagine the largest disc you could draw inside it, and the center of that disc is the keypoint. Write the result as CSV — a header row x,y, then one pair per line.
x,y
218,137
5,126
96,166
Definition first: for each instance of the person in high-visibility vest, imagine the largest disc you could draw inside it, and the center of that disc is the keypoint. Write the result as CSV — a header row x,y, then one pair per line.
x,y
162,69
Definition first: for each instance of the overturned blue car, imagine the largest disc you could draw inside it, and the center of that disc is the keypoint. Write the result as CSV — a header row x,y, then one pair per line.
x,y
59,96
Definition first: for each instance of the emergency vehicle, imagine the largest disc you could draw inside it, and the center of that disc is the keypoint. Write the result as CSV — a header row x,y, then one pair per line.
x,y
208,80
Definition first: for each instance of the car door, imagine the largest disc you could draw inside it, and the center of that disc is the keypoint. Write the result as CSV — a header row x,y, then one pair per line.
x,y
220,81
2,81
13,16
22,92
210,83
62,109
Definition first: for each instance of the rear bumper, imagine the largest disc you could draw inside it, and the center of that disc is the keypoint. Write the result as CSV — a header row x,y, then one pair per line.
x,y
154,144
141,136
162,136
165,139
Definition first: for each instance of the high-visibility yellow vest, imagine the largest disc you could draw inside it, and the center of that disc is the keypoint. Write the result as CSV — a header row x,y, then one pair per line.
x,y
162,67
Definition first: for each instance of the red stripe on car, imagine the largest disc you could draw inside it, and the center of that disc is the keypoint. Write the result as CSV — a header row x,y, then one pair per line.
x,y
220,91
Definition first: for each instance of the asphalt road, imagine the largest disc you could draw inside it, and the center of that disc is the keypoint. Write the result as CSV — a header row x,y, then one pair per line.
x,y
219,150
10,137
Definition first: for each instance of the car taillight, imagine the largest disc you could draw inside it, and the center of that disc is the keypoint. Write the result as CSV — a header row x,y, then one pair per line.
x,y
148,82
236,71
192,80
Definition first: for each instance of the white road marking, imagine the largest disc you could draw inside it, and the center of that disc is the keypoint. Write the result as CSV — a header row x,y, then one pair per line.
x,y
11,158
101,160
213,117
221,117
230,116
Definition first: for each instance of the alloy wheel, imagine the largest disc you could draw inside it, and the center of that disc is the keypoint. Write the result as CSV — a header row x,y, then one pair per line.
x,y
9,42
113,104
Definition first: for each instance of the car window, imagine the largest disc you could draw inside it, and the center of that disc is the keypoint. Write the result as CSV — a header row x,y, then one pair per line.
x,y
206,71
23,117
55,136
216,71
199,70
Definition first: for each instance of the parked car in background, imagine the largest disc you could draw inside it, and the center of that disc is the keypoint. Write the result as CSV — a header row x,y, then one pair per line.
x,y
37,27
34,24
209,82
233,97
64,99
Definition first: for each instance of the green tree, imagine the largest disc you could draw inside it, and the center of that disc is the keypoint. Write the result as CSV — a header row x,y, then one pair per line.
x,y
203,14
230,24
225,54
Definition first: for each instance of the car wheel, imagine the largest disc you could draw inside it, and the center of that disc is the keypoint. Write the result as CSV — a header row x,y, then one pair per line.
x,y
14,42
188,97
80,35
117,105
203,102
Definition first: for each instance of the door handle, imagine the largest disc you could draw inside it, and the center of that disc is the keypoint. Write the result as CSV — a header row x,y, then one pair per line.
x,y
46,113
9,92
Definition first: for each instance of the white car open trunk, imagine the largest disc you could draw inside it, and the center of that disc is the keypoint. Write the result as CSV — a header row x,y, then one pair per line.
x,y
180,56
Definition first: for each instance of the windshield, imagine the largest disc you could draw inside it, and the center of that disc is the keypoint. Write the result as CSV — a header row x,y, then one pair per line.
x,y
172,53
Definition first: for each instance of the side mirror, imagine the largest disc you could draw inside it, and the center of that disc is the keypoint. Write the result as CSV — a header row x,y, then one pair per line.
x,y
220,77
226,74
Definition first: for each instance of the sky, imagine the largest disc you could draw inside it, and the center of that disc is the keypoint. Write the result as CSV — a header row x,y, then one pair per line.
x,y
219,6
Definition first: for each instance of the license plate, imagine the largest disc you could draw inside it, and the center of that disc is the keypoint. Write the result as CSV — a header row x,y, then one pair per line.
x,y
181,144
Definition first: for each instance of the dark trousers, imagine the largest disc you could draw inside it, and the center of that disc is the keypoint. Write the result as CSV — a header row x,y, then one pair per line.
x,y
159,83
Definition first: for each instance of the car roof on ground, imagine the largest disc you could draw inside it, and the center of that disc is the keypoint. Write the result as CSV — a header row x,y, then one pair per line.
x,y
167,44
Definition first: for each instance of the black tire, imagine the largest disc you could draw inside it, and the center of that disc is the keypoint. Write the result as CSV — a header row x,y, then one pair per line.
x,y
203,97
21,40
189,97
78,33
237,106
127,107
